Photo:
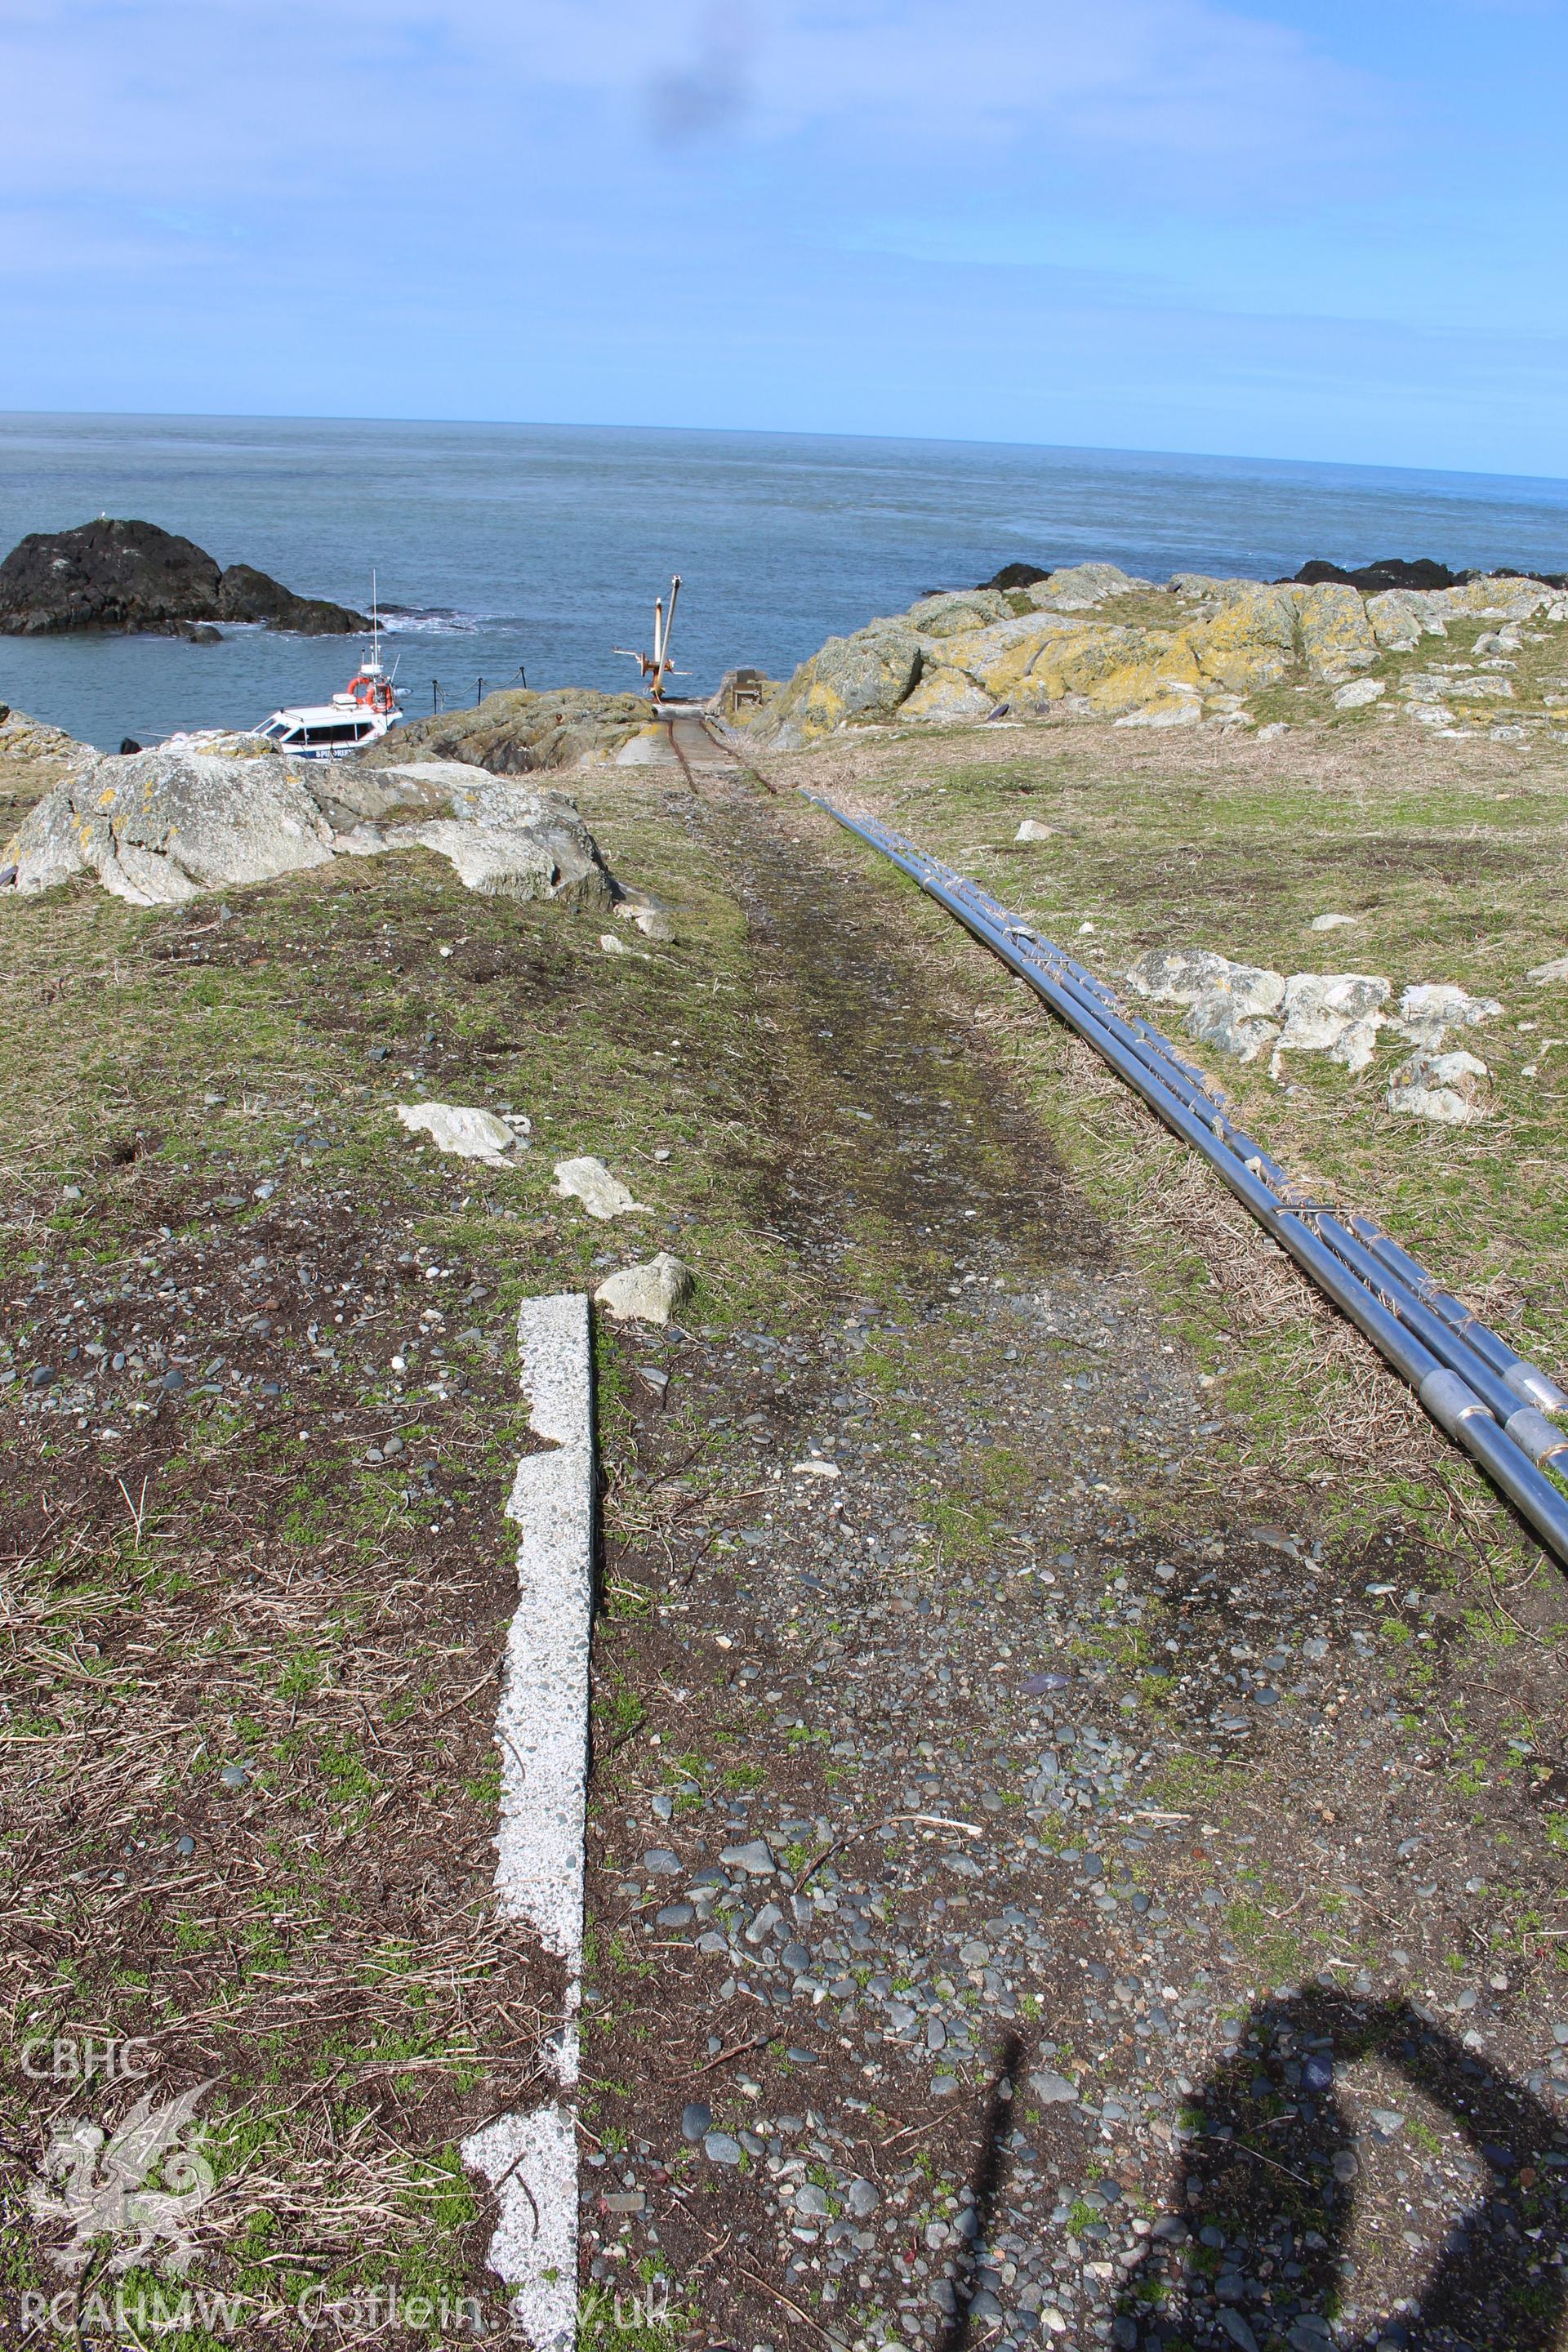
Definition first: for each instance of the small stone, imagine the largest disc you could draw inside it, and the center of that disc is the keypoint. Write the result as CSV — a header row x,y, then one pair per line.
x,y
812,2202
696,2120
795,1958
719,2148
173,1380
1346,2165
41,1377
647,1294
185,1842
463,1130
603,1195
235,1775
1445,1087
756,1857
1051,2319
1237,2328
1052,2089
798,2057
675,1914
70,1193
660,1862
1330,923
1359,693
863,2198
1033,830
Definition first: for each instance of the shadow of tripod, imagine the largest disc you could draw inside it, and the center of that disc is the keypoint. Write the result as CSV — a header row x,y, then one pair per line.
x,y
1290,2175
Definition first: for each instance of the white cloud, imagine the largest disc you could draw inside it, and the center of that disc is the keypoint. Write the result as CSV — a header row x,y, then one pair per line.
x,y
167,91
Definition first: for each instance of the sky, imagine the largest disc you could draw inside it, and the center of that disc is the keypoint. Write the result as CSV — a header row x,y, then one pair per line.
x,y
1330,231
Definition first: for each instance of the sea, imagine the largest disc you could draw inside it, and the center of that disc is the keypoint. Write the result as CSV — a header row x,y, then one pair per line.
x,y
509,554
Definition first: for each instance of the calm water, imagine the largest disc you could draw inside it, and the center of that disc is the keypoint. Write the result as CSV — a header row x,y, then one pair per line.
x,y
543,546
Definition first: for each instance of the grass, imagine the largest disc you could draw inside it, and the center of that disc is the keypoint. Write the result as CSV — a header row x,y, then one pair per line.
x,y
214,1590
1447,853
218,1591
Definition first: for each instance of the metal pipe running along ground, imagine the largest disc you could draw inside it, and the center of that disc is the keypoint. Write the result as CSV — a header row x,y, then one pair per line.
x,y
1470,1382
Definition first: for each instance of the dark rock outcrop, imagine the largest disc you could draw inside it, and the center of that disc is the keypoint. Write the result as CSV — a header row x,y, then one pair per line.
x,y
245,595
135,576
1016,576
1388,571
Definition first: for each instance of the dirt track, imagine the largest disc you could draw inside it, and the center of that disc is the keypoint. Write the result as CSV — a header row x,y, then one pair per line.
x,y
1108,1795
1099,1796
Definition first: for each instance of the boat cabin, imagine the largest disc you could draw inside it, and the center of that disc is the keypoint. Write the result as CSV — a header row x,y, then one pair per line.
x,y
321,729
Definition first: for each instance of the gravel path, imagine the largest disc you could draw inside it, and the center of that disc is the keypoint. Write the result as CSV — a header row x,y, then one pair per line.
x,y
1033,1899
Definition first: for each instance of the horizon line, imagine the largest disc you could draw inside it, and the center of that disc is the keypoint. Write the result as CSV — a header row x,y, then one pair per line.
x,y
779,433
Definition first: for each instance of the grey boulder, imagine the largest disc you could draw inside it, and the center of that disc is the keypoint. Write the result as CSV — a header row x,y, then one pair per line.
x,y
158,828
647,1294
865,676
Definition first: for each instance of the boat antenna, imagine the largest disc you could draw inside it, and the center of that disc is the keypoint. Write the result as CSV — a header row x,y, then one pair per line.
x,y
375,622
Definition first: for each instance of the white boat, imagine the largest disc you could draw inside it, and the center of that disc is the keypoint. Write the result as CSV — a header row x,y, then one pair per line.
x,y
366,710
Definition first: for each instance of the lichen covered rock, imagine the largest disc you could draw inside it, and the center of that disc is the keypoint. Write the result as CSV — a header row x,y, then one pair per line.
x,y
158,828
865,676
947,694
1091,641
518,732
1337,1013
1448,1088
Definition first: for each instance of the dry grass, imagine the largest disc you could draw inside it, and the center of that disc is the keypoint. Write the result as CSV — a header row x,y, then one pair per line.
x,y
1448,853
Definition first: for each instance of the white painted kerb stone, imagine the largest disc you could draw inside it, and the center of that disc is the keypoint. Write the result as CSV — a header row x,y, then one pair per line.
x,y
543,1733
535,2244
542,1726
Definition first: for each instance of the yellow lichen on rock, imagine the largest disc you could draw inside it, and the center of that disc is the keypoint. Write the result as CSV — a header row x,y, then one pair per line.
x,y
1133,685
1250,643
1334,628
947,694
1063,647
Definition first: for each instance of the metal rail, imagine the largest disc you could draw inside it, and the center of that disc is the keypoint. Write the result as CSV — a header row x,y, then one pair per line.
x,y
1470,1380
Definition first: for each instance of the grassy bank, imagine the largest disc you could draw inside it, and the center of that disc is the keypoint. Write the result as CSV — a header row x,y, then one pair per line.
x,y
1445,852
